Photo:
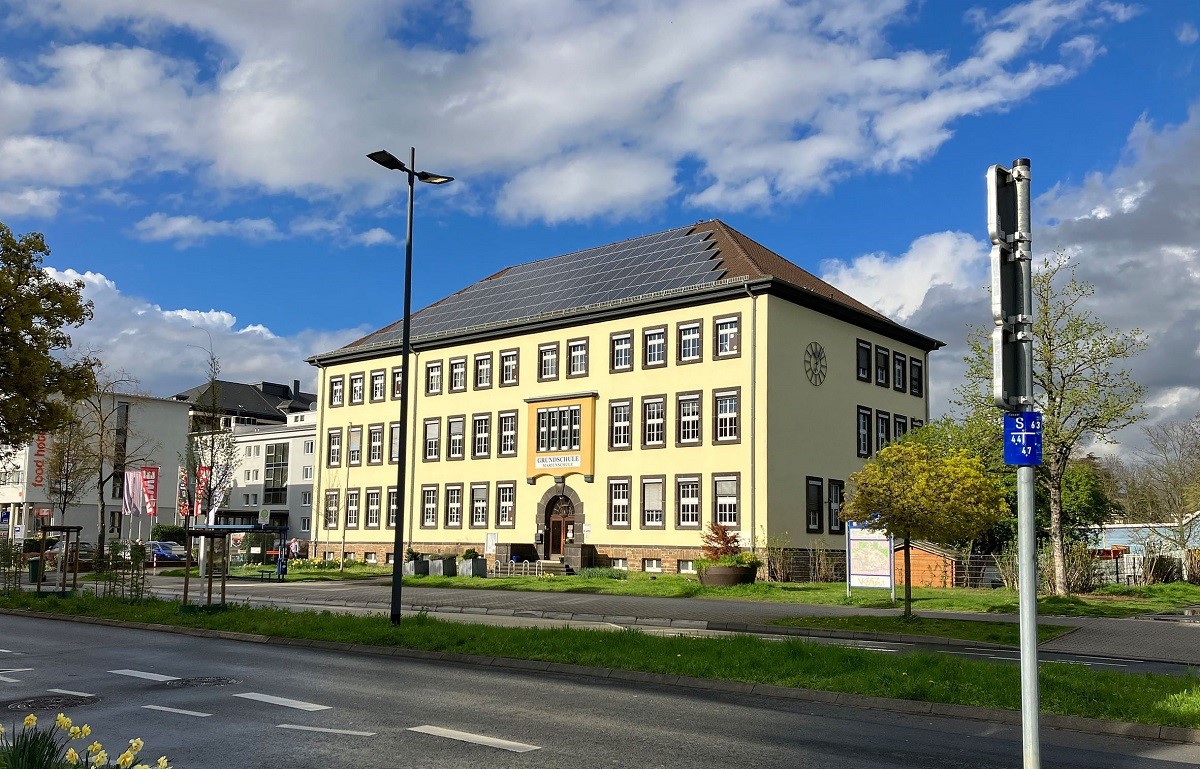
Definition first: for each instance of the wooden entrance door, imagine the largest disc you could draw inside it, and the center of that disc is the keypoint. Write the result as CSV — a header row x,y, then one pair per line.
x,y
561,526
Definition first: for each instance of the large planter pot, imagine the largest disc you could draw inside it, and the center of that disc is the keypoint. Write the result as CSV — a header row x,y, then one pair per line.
x,y
472,567
724,576
443,567
416,568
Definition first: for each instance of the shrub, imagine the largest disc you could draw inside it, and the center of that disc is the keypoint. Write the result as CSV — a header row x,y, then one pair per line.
x,y
166,532
719,542
470,553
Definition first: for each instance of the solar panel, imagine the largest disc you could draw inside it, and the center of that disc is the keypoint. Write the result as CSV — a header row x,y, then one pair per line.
x,y
662,261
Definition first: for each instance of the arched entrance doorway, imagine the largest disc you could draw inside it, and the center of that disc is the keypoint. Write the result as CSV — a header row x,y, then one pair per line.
x,y
560,526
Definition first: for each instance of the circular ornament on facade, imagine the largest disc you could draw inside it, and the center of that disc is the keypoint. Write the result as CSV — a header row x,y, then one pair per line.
x,y
815,364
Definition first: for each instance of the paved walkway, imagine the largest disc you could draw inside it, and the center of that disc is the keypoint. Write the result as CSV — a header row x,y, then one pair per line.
x,y
1132,638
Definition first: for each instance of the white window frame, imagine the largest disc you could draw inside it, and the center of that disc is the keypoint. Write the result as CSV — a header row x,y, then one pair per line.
x,y
725,506
506,503
481,435
690,343
548,361
654,422
378,385
508,434
577,352
727,332
620,433
654,343
454,503
689,423
433,439
455,440
352,501
483,371
433,377
687,494
374,499
357,389
479,505
375,444
618,503
654,518
621,351
725,406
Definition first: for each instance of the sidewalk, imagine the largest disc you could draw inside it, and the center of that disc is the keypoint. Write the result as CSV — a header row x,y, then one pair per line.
x,y
1133,638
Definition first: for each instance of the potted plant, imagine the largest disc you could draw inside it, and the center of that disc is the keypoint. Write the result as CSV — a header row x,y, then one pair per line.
x,y
414,566
724,563
442,565
472,564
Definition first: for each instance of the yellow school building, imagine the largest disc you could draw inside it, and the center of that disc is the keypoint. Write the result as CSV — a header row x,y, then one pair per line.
x,y
603,407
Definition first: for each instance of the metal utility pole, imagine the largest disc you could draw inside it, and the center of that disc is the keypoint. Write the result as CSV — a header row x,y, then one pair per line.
x,y
1010,230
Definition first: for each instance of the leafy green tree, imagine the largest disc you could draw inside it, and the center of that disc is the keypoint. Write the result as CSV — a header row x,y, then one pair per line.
x,y
916,491
36,386
1078,385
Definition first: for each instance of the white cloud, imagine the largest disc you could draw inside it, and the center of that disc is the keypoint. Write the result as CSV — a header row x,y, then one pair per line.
x,y
189,230
1135,237
765,99
30,202
166,349
376,236
1187,34
898,286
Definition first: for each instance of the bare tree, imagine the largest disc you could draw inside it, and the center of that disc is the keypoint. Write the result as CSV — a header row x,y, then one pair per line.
x,y
1077,384
212,446
108,427
70,466
1163,488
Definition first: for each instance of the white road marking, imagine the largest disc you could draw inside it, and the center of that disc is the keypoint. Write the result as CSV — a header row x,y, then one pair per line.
x,y
68,691
165,709
145,675
478,739
297,704
12,670
8,651
326,731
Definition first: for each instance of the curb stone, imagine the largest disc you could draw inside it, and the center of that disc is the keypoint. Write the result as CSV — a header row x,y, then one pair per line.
x,y
1049,720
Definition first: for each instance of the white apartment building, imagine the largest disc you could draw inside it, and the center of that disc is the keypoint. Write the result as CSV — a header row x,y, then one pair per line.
x,y
148,431
275,475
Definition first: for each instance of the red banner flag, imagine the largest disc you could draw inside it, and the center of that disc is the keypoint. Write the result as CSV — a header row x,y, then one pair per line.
x,y
202,474
150,489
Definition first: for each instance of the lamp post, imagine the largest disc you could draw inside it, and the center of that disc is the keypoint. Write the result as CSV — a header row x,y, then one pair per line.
x,y
392,163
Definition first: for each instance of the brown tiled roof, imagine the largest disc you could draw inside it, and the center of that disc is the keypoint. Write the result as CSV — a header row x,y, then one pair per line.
x,y
693,259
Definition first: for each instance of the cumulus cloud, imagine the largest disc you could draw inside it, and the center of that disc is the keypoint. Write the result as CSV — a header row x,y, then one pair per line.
x,y
756,101
376,236
34,201
189,230
1133,234
167,349
1187,34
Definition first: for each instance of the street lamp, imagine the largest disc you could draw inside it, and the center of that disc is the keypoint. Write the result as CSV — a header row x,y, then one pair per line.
x,y
392,163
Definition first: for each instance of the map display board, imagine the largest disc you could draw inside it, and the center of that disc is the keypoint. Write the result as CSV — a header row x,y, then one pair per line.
x,y
868,558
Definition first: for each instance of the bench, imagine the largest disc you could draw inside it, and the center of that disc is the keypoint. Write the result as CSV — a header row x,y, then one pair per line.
x,y
268,575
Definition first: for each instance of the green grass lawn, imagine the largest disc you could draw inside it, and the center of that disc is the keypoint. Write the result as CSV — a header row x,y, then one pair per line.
x,y
1065,689
965,629
301,572
1114,601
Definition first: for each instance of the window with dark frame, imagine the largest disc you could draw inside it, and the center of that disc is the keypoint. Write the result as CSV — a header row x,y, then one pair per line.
x,y
433,377
336,391
725,495
688,409
899,371
455,437
899,425
837,491
509,362
483,371
652,502
458,375
621,351
620,434
863,431
654,347
882,366
547,362
916,374
356,389
618,503
433,429
378,386
883,429
506,499
454,502
429,506
862,355
687,492
654,429
689,342
814,504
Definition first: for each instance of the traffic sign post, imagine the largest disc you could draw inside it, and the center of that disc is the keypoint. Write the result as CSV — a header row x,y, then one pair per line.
x,y
1023,439
1010,231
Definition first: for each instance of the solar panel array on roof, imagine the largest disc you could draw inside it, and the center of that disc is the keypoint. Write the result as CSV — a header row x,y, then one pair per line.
x,y
664,261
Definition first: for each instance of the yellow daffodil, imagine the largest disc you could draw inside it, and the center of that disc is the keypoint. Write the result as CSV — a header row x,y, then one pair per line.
x,y
72,757
62,722
100,759
95,747
136,745
125,760
1,730
162,763
142,766
30,721
85,731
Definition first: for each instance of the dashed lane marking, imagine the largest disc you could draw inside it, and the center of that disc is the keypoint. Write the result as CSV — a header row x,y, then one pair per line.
x,y
477,739
12,670
145,675
165,709
72,693
297,704
351,732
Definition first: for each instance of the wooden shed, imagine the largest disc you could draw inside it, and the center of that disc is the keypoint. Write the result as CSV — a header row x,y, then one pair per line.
x,y
932,566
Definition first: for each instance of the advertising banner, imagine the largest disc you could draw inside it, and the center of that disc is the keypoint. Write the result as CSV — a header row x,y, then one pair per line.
x,y
202,474
133,499
150,489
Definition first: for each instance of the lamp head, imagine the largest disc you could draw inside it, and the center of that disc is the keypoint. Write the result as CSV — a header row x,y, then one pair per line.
x,y
388,160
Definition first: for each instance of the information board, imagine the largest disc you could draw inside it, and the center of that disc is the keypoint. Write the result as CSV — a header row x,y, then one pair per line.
x,y
1023,438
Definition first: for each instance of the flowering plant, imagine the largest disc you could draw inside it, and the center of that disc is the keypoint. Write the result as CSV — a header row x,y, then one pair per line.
x,y
34,748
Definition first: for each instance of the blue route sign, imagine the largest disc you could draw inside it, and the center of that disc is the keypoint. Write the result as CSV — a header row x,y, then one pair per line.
x,y
1023,438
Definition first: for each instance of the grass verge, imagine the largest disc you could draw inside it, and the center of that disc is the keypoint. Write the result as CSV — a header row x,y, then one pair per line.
x,y
1113,601
1065,689
965,629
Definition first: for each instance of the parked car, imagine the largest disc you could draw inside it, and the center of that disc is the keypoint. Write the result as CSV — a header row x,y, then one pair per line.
x,y
87,552
165,552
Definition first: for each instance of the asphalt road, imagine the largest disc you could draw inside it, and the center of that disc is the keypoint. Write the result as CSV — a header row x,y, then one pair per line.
x,y
300,708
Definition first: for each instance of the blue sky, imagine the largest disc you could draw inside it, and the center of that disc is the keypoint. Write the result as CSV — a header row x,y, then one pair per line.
x,y
202,162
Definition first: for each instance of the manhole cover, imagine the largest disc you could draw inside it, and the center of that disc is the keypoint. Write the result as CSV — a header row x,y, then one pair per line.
x,y
202,681
56,703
